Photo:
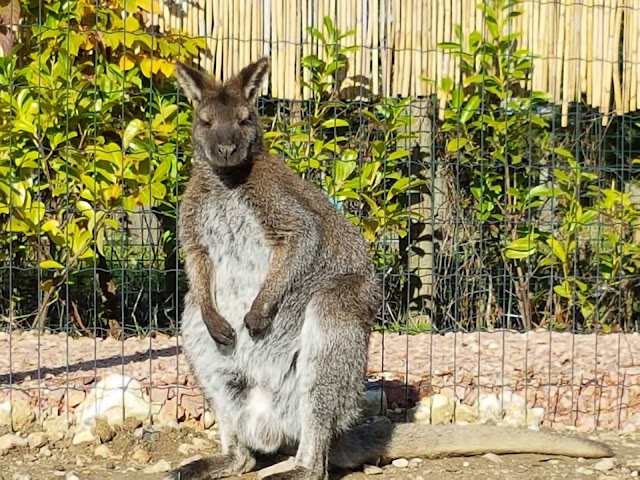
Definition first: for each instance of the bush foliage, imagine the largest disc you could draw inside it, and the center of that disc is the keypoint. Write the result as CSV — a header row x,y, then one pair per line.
x,y
94,134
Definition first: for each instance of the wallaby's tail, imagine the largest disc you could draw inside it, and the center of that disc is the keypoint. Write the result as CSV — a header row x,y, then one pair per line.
x,y
367,443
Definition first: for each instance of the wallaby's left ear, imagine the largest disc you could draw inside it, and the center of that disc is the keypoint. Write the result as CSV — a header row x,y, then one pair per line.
x,y
252,76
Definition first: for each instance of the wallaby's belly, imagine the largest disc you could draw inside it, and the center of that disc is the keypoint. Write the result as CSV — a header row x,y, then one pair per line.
x,y
266,413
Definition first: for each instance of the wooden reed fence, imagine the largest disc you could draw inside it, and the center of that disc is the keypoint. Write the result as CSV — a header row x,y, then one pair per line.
x,y
583,47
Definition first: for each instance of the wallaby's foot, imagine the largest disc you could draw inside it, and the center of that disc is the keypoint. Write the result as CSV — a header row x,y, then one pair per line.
x,y
297,473
218,466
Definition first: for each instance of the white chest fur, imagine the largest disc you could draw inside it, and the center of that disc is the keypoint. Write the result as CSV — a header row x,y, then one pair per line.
x,y
240,256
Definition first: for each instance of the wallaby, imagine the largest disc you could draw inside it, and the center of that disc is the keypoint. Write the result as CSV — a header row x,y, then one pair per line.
x,y
282,296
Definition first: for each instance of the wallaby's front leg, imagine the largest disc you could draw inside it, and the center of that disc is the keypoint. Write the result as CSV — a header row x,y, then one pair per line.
x,y
202,286
294,248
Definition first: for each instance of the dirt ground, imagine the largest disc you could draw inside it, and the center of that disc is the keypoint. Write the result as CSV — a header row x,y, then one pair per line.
x,y
146,453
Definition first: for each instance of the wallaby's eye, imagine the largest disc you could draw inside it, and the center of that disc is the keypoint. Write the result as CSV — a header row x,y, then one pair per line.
x,y
205,122
246,122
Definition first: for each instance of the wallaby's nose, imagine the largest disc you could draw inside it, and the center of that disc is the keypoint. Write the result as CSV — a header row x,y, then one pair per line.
x,y
226,151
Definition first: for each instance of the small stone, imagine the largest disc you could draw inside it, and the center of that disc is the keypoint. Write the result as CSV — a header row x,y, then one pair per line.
x,y
21,476
102,451
55,427
103,430
71,476
416,463
635,473
492,457
200,443
17,414
161,466
37,439
45,452
83,436
141,455
10,441
208,419
465,464
584,471
400,463
605,464
372,470
186,449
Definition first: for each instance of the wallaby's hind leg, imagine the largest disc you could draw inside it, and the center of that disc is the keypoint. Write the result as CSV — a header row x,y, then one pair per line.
x,y
233,459
331,369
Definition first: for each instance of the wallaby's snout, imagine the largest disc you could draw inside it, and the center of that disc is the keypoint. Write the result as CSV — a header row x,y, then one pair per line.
x,y
226,151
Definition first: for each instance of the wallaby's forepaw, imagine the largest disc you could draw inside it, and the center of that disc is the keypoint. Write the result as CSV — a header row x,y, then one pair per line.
x,y
218,466
219,329
297,473
258,319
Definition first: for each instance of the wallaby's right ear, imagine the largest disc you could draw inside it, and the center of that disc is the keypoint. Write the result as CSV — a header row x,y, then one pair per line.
x,y
192,82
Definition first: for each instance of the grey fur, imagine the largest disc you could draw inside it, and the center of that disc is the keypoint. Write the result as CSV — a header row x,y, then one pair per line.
x,y
282,295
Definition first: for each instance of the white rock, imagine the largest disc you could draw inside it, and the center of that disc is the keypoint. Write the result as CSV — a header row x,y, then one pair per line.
x,y
56,427
415,462
83,436
372,470
208,419
71,476
17,414
584,471
374,402
115,397
400,463
10,441
141,455
605,464
492,457
465,414
161,466
489,408
37,439
102,451
45,452
186,449
465,464
21,476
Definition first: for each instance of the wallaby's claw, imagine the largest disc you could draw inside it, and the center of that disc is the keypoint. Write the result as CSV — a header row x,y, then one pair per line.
x,y
220,330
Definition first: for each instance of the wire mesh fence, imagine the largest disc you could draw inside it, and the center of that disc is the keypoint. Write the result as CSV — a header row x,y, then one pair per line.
x,y
502,218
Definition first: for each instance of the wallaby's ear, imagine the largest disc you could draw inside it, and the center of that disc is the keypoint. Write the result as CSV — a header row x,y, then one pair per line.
x,y
192,82
252,76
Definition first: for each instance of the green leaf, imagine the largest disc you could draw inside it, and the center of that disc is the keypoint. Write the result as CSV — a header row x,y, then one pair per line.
x,y
50,264
131,131
561,290
470,108
334,123
523,247
557,248
456,144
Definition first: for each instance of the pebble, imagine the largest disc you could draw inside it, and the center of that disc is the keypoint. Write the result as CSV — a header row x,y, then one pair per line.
x,y
9,441
200,443
372,470
102,451
37,439
208,419
584,471
605,464
71,476
45,452
21,476
492,457
186,449
83,436
465,464
141,455
635,473
400,463
159,467
416,463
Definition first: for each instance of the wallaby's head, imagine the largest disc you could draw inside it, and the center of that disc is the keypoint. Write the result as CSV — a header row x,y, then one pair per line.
x,y
226,125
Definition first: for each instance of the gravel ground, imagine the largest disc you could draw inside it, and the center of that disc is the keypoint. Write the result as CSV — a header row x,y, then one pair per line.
x,y
584,382
133,454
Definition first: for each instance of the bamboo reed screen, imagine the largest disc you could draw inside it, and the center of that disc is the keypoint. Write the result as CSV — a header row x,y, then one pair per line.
x,y
583,47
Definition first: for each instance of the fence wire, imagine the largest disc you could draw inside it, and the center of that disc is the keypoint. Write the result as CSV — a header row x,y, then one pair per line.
x,y
507,237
